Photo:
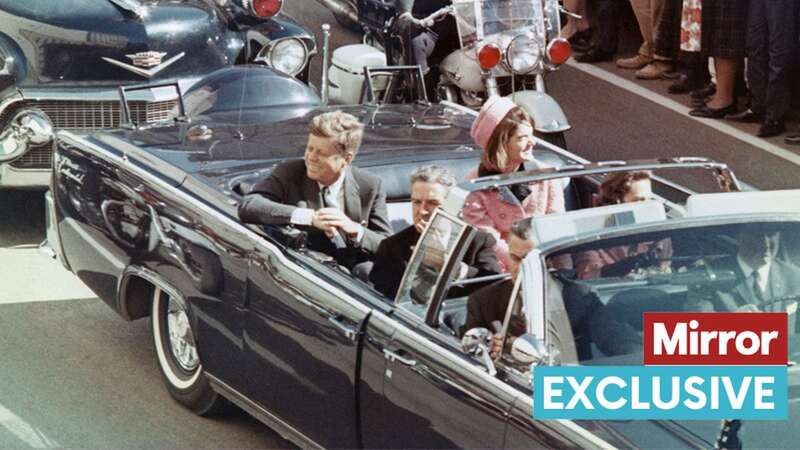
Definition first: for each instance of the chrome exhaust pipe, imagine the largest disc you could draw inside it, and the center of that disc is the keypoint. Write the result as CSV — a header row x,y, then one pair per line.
x,y
339,7
28,127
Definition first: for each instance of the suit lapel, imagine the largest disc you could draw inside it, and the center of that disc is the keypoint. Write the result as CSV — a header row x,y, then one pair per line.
x,y
311,193
775,286
352,197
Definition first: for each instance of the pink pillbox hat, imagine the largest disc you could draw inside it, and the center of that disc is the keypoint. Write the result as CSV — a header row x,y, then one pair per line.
x,y
494,110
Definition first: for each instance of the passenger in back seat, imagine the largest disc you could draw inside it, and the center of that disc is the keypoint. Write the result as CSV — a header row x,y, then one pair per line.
x,y
429,186
505,132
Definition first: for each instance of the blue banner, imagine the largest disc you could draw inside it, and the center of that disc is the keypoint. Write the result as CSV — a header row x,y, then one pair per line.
x,y
660,392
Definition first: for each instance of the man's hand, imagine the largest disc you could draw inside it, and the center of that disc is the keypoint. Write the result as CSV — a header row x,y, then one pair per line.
x,y
328,219
497,346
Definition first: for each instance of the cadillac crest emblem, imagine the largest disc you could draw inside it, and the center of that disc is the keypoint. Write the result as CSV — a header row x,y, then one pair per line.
x,y
147,59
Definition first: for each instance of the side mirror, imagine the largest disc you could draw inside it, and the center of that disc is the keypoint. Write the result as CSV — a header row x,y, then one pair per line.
x,y
529,349
476,342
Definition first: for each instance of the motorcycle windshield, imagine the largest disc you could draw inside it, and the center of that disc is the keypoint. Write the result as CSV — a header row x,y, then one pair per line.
x,y
481,19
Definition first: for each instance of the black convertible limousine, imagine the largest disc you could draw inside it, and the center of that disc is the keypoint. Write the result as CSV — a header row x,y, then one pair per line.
x,y
147,218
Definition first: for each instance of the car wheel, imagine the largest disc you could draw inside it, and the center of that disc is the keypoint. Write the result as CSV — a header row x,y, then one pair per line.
x,y
345,21
557,139
177,355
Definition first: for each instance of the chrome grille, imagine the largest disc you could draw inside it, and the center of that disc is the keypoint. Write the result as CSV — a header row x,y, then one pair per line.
x,y
92,115
85,116
40,157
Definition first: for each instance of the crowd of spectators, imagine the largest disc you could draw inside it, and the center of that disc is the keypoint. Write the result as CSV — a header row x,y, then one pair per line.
x,y
752,46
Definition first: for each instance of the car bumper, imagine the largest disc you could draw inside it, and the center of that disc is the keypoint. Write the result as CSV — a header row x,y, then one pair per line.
x,y
11,177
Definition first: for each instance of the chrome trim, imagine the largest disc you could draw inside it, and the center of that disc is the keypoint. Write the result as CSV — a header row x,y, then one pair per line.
x,y
264,55
326,34
106,93
51,227
147,73
286,431
28,127
8,101
132,6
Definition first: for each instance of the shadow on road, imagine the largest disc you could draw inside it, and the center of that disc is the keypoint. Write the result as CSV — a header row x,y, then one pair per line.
x,y
22,215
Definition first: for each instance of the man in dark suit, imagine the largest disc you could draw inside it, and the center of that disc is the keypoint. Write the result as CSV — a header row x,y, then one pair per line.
x,y
429,186
343,208
763,280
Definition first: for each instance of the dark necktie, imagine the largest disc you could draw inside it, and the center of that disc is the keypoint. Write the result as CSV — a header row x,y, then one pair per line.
x,y
757,291
328,199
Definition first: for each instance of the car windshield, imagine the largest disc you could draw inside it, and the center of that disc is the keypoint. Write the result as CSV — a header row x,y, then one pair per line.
x,y
720,268
480,19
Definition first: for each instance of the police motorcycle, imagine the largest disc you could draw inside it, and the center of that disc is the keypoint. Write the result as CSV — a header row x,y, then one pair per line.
x,y
506,48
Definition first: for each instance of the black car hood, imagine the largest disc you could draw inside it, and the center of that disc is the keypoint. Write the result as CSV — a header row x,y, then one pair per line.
x,y
65,41
753,434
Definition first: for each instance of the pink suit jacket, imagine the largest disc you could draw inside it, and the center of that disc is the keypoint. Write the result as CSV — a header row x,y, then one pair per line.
x,y
489,212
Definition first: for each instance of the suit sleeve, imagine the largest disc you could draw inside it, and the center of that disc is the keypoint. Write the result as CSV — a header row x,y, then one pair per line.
x,y
485,262
264,205
378,226
386,272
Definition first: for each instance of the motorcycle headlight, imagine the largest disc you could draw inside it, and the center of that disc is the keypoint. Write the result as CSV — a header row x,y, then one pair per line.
x,y
288,55
523,54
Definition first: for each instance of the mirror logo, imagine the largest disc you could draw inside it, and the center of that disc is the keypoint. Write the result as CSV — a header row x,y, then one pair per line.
x,y
697,366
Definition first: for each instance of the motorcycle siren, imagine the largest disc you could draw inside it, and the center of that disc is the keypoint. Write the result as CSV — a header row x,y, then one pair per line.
x,y
559,51
489,56
263,8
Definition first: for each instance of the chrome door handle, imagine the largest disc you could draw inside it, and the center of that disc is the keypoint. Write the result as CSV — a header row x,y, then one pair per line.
x,y
349,331
394,356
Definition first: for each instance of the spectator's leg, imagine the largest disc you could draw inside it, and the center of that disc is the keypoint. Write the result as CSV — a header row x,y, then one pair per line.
x,y
757,55
643,10
575,25
726,79
607,14
780,16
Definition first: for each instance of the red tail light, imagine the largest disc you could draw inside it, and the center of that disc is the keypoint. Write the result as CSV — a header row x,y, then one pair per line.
x,y
559,51
489,56
266,8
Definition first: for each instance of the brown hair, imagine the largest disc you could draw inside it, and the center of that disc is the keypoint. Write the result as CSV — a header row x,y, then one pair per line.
x,y
344,128
616,185
495,157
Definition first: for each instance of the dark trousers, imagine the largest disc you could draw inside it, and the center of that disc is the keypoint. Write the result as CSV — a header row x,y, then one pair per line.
x,y
607,13
770,52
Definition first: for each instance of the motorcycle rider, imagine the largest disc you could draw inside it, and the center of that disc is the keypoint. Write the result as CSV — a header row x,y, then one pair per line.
x,y
428,45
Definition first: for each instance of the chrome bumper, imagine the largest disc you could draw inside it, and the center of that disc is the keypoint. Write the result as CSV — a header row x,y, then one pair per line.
x,y
29,178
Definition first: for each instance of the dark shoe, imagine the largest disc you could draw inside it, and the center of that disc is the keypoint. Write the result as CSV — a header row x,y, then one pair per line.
x,y
683,85
711,113
594,56
706,91
581,41
746,116
792,139
770,128
698,102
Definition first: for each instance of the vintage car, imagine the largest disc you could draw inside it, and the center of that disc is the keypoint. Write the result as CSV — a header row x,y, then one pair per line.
x,y
61,63
241,313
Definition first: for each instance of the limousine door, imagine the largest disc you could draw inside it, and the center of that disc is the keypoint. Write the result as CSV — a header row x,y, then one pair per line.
x,y
435,396
301,344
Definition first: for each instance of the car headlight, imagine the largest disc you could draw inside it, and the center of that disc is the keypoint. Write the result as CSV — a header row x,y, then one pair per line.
x,y
288,55
523,54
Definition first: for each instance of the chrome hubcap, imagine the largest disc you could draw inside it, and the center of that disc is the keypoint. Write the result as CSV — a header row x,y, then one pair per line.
x,y
181,339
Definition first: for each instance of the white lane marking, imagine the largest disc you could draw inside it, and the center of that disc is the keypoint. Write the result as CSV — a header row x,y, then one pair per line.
x,y
677,107
24,431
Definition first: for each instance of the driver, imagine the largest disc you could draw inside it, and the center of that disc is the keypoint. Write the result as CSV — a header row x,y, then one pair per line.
x,y
763,279
342,207
429,46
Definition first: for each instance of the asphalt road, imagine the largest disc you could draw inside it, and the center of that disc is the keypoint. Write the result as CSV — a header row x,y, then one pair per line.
x,y
75,375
